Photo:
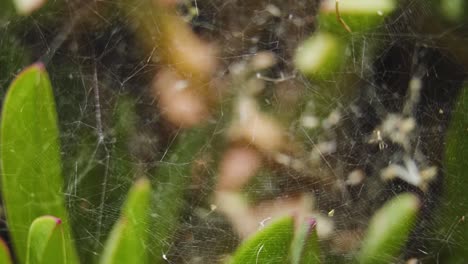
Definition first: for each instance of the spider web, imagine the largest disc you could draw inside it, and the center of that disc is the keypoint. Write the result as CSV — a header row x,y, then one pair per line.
x,y
112,132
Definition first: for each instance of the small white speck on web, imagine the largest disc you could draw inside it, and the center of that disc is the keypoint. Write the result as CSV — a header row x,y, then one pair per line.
x,y
355,177
309,121
263,222
333,118
412,261
377,138
282,77
273,10
380,13
298,165
409,172
321,149
396,128
181,85
415,84
282,159
263,59
429,173
422,251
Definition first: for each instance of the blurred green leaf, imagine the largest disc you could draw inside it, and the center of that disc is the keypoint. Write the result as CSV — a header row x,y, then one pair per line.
x,y
358,15
127,242
321,55
26,7
171,182
6,8
329,55
453,10
5,256
30,154
454,207
269,245
389,229
46,242
305,245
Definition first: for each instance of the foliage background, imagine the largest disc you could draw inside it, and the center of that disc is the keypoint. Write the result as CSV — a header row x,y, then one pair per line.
x,y
112,131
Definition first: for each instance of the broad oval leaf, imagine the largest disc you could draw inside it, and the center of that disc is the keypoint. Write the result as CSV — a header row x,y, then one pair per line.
x,y
31,167
389,229
269,245
127,242
46,242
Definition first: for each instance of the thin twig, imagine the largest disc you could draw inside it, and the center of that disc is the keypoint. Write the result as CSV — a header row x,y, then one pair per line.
x,y
339,18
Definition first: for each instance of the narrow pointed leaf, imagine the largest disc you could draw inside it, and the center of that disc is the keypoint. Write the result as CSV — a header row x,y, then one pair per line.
x,y
389,229
5,256
269,245
30,156
305,245
46,242
128,240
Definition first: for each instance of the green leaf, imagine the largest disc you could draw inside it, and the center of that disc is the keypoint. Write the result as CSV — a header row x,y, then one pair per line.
x,y
171,182
26,7
46,241
453,10
5,256
5,10
30,154
389,229
269,245
305,245
321,55
127,242
358,15
454,207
